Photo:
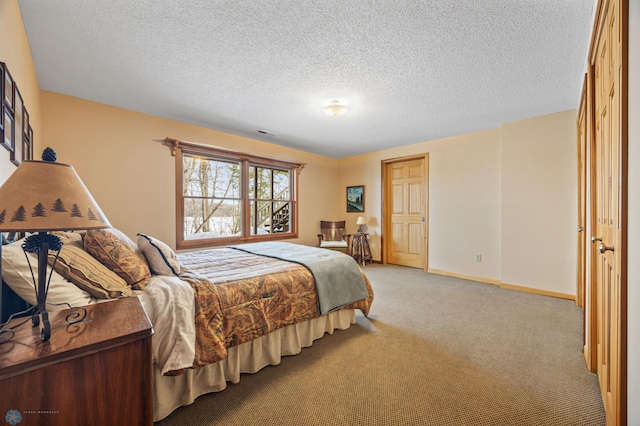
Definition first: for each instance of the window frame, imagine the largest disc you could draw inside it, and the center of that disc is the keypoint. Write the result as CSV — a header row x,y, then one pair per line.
x,y
181,148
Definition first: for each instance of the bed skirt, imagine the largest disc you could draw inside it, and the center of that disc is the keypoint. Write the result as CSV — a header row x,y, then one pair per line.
x,y
171,392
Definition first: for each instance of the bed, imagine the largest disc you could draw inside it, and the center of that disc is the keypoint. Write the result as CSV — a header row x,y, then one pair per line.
x,y
216,313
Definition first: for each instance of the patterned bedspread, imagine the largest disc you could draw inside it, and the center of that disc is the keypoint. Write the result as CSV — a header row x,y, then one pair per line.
x,y
240,296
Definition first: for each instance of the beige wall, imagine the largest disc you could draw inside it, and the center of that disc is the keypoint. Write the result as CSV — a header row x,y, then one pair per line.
x,y
464,204
539,202
507,194
464,200
131,173
16,54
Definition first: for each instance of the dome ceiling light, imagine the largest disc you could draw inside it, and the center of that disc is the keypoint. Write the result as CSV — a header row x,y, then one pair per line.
x,y
335,108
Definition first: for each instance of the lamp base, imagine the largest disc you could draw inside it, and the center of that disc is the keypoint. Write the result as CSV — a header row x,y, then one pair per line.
x,y
78,314
41,243
45,331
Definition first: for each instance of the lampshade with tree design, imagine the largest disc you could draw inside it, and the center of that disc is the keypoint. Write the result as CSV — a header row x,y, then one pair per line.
x,y
44,196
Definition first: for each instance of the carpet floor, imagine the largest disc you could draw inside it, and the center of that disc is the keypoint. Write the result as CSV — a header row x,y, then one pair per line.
x,y
435,350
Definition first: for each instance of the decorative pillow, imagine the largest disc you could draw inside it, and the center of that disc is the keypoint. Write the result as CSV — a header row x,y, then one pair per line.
x,y
70,237
117,252
85,271
161,259
16,273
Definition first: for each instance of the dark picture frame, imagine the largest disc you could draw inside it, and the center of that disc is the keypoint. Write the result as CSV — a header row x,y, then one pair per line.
x,y
355,199
25,123
2,103
7,89
18,125
1,85
27,153
9,129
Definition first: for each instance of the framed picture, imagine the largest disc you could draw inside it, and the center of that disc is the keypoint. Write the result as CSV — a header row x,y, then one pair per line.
x,y
8,88
28,148
355,198
18,148
1,85
18,134
17,118
7,140
25,122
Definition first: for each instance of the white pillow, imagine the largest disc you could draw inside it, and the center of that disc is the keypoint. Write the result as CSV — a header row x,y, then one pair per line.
x,y
161,259
17,275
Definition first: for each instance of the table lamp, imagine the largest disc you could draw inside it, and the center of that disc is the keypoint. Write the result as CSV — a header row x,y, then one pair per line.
x,y
361,221
44,196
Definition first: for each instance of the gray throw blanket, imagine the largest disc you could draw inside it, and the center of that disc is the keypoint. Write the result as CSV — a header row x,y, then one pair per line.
x,y
338,278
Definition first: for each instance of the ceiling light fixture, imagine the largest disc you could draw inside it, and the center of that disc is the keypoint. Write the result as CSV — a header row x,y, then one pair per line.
x,y
335,108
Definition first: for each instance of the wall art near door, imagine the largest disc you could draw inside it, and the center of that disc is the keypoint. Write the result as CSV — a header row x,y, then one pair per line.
x,y
355,198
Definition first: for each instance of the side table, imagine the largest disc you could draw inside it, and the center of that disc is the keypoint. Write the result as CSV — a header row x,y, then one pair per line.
x,y
360,249
95,372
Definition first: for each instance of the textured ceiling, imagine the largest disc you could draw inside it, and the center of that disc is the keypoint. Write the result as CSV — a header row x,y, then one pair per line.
x,y
410,71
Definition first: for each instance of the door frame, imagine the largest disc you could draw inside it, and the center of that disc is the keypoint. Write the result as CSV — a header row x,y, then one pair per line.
x,y
583,167
386,215
590,309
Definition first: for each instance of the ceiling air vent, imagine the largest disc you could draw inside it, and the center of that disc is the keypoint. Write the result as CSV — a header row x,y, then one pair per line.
x,y
265,133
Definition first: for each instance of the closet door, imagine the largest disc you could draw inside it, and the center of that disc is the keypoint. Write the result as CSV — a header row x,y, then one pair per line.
x,y
609,156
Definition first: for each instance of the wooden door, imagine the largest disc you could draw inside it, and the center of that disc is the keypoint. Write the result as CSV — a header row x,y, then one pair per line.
x,y
610,278
405,212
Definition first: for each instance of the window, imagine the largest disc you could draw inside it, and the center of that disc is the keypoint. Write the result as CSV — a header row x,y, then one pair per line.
x,y
226,197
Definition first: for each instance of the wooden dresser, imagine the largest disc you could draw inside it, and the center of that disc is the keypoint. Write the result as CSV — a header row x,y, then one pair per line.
x,y
96,372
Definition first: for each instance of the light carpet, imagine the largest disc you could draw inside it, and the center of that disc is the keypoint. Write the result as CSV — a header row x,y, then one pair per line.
x,y
435,350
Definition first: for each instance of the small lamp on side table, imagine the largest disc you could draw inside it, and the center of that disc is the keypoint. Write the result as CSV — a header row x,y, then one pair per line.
x,y
43,196
361,221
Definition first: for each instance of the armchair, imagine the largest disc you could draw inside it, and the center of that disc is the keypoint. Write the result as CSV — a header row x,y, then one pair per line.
x,y
333,236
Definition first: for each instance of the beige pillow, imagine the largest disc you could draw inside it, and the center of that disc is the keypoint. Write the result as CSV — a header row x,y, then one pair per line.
x,y
70,237
161,259
16,273
85,271
117,252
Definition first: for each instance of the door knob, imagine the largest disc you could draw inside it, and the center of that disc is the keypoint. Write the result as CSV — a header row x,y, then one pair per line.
x,y
604,248
594,239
